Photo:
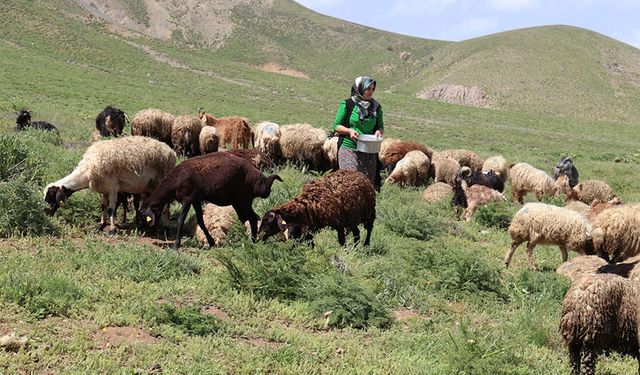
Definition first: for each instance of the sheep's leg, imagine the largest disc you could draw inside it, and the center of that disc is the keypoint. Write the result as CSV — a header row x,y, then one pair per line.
x,y
369,227
200,219
509,254
589,363
125,207
530,246
103,207
186,205
356,234
574,359
246,213
111,211
469,211
565,254
341,237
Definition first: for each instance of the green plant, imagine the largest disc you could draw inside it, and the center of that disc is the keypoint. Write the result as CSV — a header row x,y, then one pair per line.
x,y
22,210
497,215
189,320
13,157
413,221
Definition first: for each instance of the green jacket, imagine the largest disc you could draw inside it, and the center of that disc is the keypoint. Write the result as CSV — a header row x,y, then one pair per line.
x,y
368,126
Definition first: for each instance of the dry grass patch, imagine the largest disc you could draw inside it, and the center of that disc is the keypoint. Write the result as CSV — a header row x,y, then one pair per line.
x,y
115,336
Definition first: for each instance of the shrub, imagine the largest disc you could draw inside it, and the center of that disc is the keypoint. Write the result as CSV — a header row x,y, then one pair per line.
x,y
22,209
413,221
497,215
13,157
189,320
349,304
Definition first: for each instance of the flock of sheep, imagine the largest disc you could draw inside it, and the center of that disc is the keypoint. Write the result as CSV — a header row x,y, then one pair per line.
x,y
599,311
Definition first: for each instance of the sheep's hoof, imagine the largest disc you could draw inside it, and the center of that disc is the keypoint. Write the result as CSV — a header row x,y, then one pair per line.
x,y
100,227
112,232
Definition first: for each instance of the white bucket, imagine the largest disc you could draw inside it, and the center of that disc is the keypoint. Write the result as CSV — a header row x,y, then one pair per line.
x,y
368,143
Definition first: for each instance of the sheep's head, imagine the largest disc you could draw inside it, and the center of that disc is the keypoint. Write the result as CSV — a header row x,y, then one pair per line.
x,y
277,221
23,119
463,173
56,197
148,217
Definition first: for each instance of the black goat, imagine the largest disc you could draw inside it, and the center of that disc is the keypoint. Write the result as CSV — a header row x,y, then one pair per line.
x,y
23,121
488,179
110,122
566,167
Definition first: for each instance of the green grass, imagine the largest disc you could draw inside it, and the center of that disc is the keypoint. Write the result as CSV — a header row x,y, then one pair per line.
x,y
430,295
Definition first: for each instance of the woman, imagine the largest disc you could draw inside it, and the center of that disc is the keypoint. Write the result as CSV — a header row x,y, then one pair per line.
x,y
360,114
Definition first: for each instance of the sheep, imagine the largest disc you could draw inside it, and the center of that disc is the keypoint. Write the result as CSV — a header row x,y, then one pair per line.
x,y
217,219
393,150
599,315
209,140
524,178
565,167
471,197
267,139
445,169
616,232
592,210
412,170
132,165
579,207
464,158
330,148
219,178
341,200
153,123
234,130
110,122
185,135
437,192
489,179
587,191
23,121
255,156
302,144
497,164
539,223
580,266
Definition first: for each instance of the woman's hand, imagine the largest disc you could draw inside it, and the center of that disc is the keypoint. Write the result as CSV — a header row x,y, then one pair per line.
x,y
379,133
353,134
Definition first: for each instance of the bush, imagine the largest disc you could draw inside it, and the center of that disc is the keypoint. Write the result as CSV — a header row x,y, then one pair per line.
x,y
13,157
350,304
22,209
497,215
413,221
188,320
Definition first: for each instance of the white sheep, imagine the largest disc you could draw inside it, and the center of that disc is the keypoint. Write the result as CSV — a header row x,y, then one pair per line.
x,y
217,219
302,144
266,138
185,135
330,149
464,158
209,140
133,165
437,192
497,164
539,223
153,123
445,169
412,170
524,179
580,266
587,191
616,232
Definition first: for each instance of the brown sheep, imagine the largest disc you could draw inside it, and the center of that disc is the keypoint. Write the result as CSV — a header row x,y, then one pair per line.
x,y
396,150
234,130
185,135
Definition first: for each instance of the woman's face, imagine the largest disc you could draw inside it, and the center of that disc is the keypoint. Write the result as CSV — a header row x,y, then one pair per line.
x,y
368,92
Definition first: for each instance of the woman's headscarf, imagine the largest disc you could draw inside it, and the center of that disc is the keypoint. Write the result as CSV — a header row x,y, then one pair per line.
x,y
367,108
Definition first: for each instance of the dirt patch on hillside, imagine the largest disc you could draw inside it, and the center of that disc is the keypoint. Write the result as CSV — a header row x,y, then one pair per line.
x,y
275,68
473,96
114,336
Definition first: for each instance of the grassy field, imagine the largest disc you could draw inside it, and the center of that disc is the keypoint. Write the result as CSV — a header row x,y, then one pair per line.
x,y
430,295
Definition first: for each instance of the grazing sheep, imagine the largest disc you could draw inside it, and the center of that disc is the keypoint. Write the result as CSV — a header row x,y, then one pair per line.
x,y
497,164
185,135
592,190
132,165
341,200
472,197
219,178
153,123
445,169
23,121
524,179
616,232
110,122
489,179
565,167
330,148
464,158
267,139
393,150
302,144
539,223
209,140
599,315
580,266
255,156
412,170
437,192
232,130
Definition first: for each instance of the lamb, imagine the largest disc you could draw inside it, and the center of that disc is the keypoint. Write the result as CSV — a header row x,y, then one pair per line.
x,y
471,197
539,223
412,170
616,232
23,121
153,123
525,178
445,169
267,139
133,165
185,135
393,150
565,167
599,315
341,200
234,130
586,191
437,192
219,178
110,122
488,179
209,140
302,144
464,158
497,164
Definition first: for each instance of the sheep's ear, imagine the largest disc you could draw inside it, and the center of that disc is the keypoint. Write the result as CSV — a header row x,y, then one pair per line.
x,y
282,224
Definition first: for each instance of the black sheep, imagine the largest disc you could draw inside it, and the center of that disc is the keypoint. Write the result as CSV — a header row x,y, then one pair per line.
x,y
110,122
23,121
566,167
488,179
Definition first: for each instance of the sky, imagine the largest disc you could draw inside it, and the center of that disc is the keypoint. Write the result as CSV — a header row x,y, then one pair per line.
x,y
456,20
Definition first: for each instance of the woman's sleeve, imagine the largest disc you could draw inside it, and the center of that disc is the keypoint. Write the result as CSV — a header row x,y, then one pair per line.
x,y
379,121
340,116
